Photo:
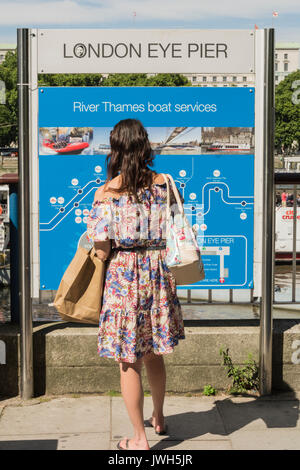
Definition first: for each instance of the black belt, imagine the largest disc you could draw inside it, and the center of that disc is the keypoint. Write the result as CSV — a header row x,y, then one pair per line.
x,y
138,248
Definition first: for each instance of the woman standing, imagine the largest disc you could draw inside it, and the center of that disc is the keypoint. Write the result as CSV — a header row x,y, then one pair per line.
x,y
141,317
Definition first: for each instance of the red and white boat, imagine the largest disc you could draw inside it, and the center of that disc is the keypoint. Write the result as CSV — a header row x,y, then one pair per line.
x,y
73,148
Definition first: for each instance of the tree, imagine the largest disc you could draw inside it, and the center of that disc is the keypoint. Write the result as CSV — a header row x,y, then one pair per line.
x,y
141,79
287,112
125,79
168,79
73,79
8,110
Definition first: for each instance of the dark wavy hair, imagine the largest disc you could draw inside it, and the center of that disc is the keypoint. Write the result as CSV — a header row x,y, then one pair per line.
x,y
130,155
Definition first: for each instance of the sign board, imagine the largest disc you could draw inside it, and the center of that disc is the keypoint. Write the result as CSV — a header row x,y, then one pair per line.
x,y
204,137
145,51
237,229
56,51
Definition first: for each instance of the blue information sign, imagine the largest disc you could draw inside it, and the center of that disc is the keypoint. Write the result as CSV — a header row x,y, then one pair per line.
x,y
204,137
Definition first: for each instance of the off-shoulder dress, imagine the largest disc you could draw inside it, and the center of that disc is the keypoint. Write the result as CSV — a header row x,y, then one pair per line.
x,y
141,312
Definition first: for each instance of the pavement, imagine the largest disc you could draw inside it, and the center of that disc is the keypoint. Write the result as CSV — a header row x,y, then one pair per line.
x,y
194,423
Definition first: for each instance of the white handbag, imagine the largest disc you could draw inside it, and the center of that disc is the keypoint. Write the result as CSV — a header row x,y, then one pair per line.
x,y
183,256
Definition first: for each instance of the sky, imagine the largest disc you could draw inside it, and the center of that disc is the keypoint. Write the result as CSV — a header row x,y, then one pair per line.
x,y
151,14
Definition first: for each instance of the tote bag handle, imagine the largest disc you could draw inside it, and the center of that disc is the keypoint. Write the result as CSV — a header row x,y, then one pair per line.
x,y
175,192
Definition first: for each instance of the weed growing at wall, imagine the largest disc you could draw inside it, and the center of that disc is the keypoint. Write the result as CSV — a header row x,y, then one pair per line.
x,y
244,378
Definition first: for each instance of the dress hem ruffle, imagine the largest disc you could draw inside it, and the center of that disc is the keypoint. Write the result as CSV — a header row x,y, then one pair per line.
x,y
133,359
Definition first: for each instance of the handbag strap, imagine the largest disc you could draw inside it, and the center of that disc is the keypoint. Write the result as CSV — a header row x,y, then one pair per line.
x,y
168,191
175,192
179,202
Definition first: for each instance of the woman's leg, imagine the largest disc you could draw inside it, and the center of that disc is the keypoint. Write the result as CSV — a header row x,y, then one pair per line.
x,y
133,396
156,373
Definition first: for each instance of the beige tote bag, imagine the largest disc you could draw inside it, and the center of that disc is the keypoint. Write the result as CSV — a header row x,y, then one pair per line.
x,y
79,295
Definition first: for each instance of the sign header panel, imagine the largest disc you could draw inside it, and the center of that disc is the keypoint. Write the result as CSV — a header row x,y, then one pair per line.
x,y
145,51
154,106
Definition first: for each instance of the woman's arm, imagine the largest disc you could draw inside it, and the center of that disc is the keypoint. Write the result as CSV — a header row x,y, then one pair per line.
x,y
102,247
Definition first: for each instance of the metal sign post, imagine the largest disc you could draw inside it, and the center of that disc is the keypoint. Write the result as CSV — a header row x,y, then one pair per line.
x,y
266,312
24,217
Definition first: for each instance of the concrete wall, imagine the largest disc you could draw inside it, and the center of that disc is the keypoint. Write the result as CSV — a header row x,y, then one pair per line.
x,y
66,360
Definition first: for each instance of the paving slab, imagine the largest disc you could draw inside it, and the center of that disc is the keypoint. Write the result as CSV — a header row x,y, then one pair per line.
x,y
120,424
269,439
193,419
256,414
82,441
61,415
188,418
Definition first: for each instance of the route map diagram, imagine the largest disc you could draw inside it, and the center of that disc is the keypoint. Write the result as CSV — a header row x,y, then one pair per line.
x,y
217,203
218,192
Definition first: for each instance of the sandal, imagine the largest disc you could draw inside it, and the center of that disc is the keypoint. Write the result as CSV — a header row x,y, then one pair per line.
x,y
126,445
149,424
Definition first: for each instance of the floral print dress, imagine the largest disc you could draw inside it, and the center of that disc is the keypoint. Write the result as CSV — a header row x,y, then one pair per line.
x,y
140,312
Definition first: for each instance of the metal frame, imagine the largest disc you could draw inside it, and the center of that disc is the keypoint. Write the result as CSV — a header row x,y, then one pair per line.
x,y
263,206
266,310
294,243
34,163
24,228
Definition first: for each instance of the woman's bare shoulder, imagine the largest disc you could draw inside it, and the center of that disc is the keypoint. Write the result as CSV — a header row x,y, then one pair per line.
x,y
158,179
99,194
107,189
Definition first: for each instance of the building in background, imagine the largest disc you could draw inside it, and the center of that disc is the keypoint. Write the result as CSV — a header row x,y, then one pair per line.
x,y
4,48
287,60
224,80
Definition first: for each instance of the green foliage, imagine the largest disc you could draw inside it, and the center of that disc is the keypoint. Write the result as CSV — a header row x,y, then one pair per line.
x,y
244,378
168,79
9,110
209,390
74,79
116,79
287,111
141,79
125,79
